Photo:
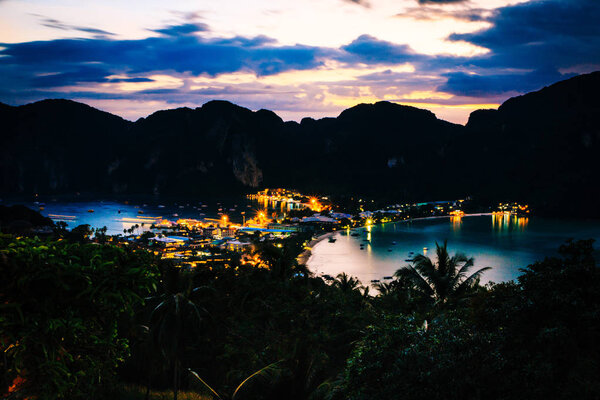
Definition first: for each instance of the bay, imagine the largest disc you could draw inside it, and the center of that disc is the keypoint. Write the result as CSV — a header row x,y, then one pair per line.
x,y
505,243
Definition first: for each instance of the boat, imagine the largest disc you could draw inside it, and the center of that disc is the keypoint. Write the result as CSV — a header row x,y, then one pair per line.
x,y
176,215
374,280
409,260
355,234
388,277
389,249
140,212
332,240
90,210
161,206
394,243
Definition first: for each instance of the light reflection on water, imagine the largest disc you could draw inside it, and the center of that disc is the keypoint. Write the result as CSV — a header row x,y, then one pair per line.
x,y
505,243
120,215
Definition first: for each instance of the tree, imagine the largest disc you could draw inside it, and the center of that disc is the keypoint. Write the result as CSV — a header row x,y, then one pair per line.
x,y
347,283
399,358
445,279
175,319
282,258
60,306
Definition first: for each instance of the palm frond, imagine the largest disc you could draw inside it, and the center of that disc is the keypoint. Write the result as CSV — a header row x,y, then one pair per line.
x,y
261,372
204,383
412,274
475,276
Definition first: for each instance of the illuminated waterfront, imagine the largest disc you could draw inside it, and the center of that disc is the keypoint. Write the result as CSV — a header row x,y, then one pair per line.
x,y
120,215
505,243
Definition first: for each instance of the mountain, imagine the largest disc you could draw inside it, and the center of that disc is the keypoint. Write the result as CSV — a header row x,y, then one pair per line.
x,y
540,147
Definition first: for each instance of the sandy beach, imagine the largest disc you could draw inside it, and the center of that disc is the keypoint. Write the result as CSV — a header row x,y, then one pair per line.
x,y
305,255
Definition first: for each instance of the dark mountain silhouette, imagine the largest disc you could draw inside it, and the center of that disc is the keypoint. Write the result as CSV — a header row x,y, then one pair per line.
x,y
541,147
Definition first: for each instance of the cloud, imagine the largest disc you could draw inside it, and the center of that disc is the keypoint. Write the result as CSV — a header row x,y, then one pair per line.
x,y
540,34
56,24
182,65
431,13
65,62
474,85
370,50
183,29
529,44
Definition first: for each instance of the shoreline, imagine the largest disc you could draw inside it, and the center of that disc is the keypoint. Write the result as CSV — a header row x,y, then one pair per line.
x,y
305,255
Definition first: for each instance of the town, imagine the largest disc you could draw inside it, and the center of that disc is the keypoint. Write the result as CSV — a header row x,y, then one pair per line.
x,y
308,219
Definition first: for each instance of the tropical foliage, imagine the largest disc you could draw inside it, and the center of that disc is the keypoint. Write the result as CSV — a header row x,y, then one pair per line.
x,y
531,339
61,304
445,279
77,317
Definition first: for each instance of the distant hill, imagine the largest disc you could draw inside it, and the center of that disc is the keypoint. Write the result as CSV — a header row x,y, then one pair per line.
x,y
541,147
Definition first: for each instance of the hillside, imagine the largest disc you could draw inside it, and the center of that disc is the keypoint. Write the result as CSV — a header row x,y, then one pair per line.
x,y
540,147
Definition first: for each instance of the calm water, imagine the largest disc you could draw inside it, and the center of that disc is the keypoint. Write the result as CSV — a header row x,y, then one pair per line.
x,y
120,215
503,243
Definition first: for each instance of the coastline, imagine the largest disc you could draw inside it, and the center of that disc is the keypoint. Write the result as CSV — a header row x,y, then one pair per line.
x,y
305,255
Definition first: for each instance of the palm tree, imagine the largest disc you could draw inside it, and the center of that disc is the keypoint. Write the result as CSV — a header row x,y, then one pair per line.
x,y
384,288
443,280
346,283
281,261
174,320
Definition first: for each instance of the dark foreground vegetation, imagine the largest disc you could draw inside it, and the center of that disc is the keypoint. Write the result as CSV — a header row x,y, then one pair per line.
x,y
81,320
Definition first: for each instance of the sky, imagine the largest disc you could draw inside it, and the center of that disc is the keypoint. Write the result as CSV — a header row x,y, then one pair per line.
x,y
299,58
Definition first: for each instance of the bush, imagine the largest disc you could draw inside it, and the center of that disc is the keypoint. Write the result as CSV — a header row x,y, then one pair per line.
x,y
60,305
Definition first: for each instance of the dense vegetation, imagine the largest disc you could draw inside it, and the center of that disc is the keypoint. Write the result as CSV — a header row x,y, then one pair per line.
x,y
541,148
78,318
61,305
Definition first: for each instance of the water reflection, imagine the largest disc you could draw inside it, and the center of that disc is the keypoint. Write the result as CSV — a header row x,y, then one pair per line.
x,y
505,243
456,222
508,222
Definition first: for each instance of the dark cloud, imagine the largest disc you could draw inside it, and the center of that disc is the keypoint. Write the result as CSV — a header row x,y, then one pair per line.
x,y
370,50
540,34
80,75
184,29
528,44
66,62
132,80
473,85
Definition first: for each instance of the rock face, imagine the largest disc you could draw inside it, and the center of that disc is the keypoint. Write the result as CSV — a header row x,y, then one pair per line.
x,y
541,147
